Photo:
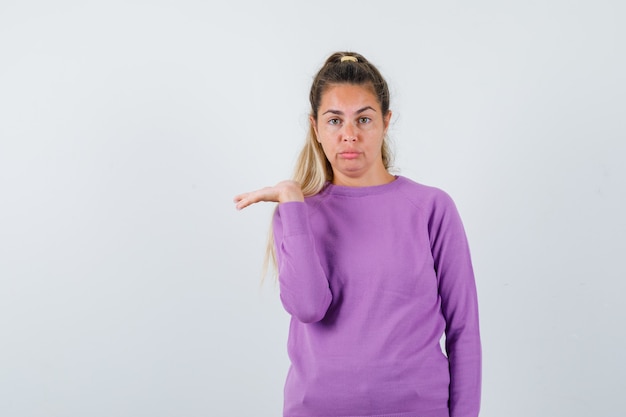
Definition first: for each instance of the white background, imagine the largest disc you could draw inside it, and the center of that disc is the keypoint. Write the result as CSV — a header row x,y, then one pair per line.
x,y
130,286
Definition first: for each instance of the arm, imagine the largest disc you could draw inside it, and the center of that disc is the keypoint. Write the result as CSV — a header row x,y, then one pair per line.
x,y
459,304
304,288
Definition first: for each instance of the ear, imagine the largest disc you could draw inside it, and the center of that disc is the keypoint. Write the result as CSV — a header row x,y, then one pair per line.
x,y
314,126
387,120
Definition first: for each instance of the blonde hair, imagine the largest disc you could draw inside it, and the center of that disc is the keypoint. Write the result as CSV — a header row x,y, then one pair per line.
x,y
313,170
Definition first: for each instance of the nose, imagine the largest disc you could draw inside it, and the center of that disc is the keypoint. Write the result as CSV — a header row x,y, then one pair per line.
x,y
349,134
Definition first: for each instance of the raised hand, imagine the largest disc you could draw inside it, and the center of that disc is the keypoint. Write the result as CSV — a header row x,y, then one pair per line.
x,y
282,192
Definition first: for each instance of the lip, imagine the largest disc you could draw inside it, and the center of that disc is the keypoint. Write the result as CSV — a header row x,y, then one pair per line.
x,y
349,154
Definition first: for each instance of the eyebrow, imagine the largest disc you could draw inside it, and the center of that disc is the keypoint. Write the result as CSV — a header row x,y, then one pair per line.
x,y
340,113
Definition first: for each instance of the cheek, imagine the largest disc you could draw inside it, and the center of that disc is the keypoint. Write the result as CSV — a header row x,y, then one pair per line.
x,y
326,147
325,131
329,148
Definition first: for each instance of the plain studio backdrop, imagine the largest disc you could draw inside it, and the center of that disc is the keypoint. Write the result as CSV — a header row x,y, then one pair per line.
x,y
129,284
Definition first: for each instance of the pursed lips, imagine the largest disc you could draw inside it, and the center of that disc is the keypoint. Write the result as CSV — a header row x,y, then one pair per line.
x,y
349,154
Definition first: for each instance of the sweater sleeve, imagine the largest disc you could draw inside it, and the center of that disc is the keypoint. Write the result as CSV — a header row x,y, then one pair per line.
x,y
459,303
304,288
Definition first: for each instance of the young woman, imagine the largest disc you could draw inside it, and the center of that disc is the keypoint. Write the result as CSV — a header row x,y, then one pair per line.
x,y
373,268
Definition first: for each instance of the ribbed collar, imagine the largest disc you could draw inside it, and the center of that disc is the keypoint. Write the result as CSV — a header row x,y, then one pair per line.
x,y
331,189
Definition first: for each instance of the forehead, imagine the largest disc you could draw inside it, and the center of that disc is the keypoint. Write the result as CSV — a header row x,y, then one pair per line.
x,y
349,95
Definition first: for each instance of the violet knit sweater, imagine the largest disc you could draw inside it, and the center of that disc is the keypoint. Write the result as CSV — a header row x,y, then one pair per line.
x,y
372,278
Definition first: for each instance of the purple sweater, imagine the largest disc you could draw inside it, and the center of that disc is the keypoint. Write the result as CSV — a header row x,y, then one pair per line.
x,y
372,278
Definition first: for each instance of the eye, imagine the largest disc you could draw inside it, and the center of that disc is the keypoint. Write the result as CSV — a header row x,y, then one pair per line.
x,y
334,121
364,120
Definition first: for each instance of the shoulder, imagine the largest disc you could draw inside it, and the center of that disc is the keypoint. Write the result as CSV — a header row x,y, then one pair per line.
x,y
425,197
313,202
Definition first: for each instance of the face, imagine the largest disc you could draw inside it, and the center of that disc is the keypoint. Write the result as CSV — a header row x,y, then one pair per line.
x,y
350,127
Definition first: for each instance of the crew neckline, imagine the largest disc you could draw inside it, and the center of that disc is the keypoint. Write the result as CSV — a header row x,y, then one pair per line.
x,y
361,191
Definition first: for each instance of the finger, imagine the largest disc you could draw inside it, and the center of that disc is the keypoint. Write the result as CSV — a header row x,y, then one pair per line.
x,y
241,205
239,197
241,201
244,200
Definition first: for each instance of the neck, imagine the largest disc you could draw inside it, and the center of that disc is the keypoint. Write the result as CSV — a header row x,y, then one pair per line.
x,y
361,181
